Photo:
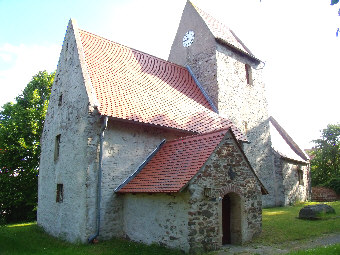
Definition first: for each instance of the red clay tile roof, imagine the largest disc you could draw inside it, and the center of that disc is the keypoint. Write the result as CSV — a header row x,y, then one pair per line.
x,y
133,85
222,32
175,164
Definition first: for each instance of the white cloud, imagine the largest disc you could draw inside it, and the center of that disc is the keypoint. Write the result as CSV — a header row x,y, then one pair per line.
x,y
5,57
21,63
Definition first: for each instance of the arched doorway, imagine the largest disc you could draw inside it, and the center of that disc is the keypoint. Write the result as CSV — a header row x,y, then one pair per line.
x,y
231,219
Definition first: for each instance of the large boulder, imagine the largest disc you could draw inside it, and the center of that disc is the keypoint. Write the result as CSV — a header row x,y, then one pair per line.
x,y
313,212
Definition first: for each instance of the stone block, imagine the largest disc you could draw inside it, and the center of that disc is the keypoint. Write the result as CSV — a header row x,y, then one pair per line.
x,y
314,212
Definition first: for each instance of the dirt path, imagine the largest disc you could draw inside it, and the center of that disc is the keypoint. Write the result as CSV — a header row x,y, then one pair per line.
x,y
283,248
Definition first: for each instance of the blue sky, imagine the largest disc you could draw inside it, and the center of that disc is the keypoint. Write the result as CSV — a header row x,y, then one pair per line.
x,y
296,39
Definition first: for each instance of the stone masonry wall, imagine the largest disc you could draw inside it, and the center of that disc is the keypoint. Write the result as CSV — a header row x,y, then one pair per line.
x,y
222,74
70,116
126,146
201,55
293,191
279,196
289,190
246,106
157,218
205,220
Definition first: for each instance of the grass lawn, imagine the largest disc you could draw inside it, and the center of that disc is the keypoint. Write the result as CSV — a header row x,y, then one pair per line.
x,y
30,239
329,250
281,224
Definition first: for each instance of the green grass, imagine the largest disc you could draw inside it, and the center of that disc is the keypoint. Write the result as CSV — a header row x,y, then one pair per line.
x,y
281,224
30,239
328,250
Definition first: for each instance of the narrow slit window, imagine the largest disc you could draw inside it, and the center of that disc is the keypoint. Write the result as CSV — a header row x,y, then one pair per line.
x,y
245,127
300,176
60,193
60,101
57,147
249,74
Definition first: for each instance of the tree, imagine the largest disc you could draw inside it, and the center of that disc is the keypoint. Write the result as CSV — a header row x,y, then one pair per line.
x,y
325,161
333,2
21,125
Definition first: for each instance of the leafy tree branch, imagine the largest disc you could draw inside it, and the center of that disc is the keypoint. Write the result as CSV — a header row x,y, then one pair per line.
x,y
21,125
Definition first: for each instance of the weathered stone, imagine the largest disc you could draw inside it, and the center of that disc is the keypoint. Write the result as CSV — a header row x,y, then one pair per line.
x,y
314,212
193,232
207,213
289,190
207,217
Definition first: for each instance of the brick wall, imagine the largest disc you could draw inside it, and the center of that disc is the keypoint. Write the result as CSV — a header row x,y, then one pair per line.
x,y
323,194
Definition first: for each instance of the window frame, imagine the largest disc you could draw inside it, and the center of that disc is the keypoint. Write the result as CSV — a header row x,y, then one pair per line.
x,y
300,176
60,193
249,74
60,99
57,147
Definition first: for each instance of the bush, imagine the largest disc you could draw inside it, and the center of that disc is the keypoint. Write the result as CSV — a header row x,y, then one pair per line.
x,y
333,184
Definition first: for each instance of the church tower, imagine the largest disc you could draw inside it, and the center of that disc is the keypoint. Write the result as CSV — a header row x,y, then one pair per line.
x,y
231,76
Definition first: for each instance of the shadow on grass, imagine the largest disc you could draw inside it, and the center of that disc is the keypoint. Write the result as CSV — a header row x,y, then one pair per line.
x,y
28,238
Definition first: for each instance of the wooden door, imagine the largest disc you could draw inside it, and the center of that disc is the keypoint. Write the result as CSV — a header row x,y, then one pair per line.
x,y
226,209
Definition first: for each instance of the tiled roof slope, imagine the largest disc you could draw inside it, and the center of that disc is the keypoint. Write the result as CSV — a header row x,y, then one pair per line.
x,y
175,164
222,32
133,85
284,145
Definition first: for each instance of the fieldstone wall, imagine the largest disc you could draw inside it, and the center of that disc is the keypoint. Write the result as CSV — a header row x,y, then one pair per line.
x,y
294,191
208,188
246,106
222,74
280,189
290,190
157,218
72,116
126,146
201,55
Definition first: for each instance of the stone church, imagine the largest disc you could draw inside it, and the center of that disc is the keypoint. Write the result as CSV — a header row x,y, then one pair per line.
x,y
175,152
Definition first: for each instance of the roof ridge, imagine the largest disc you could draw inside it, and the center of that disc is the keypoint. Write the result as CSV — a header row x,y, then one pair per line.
x,y
83,64
133,49
241,42
291,143
209,19
209,15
